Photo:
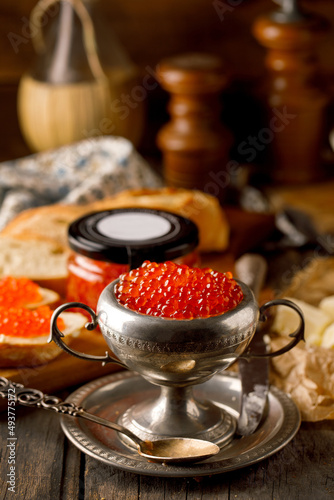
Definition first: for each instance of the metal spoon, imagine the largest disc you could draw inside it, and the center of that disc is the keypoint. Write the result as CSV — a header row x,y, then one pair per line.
x,y
299,230
295,227
169,450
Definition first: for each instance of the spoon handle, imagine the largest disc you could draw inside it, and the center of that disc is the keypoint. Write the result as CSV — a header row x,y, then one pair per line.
x,y
35,398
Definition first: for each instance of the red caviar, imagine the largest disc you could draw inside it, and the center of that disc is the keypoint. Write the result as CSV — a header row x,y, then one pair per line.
x,y
22,322
87,277
177,291
18,292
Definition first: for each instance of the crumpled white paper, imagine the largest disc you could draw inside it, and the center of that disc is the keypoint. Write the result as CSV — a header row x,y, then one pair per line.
x,y
307,371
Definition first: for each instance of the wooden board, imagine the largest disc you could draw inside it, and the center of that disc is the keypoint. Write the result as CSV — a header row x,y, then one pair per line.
x,y
65,370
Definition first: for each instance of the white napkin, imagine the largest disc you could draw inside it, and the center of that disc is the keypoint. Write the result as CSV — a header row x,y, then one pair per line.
x,y
77,174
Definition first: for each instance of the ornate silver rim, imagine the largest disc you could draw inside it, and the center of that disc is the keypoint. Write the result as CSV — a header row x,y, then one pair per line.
x,y
163,347
281,425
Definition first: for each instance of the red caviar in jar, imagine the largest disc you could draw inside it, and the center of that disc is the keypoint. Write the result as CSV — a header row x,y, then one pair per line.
x,y
18,292
109,243
176,291
22,322
87,278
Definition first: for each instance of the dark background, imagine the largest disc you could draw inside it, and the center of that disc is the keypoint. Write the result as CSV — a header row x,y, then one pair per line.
x,y
150,31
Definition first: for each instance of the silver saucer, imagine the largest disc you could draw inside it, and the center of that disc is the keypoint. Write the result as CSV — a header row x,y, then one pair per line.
x,y
112,395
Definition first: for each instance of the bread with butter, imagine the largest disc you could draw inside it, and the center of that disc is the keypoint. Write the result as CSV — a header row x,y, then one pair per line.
x,y
42,261
34,351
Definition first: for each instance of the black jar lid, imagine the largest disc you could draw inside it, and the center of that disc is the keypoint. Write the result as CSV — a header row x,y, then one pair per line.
x,y
132,235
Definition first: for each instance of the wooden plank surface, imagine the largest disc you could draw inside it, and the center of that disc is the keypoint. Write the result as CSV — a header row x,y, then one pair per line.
x,y
303,469
39,455
51,468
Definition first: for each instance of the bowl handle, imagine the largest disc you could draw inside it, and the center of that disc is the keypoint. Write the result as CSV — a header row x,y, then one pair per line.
x,y
56,335
297,335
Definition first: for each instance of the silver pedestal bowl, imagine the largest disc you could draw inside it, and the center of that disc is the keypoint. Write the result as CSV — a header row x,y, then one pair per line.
x,y
176,355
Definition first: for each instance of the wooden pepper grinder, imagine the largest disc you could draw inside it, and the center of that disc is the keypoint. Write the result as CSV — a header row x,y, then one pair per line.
x,y
195,144
295,98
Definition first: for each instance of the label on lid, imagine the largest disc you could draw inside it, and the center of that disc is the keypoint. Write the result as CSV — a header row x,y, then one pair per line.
x,y
134,227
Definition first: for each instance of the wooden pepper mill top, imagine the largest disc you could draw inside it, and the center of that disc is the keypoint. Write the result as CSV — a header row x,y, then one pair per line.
x,y
292,44
194,143
194,73
295,90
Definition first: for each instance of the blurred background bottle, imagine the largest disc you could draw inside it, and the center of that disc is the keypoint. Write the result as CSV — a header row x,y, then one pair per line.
x,y
81,83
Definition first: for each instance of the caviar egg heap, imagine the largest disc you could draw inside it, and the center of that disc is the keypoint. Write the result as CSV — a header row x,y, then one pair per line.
x,y
18,292
177,291
22,322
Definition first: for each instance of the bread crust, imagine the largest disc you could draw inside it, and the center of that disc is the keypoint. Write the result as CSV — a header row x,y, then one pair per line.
x,y
50,223
19,356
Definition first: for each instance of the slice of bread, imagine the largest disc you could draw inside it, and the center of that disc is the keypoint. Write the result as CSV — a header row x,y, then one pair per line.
x,y
46,224
35,243
203,209
49,298
42,261
35,351
50,223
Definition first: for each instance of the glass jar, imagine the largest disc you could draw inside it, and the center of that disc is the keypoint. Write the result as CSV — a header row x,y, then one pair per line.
x,y
109,243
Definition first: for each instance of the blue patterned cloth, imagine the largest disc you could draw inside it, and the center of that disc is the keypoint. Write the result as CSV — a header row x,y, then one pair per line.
x,y
75,174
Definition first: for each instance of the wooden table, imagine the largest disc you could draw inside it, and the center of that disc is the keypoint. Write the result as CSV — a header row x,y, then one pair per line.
x,y
48,466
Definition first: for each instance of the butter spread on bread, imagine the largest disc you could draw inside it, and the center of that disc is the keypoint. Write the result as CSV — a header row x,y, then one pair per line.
x,y
16,351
